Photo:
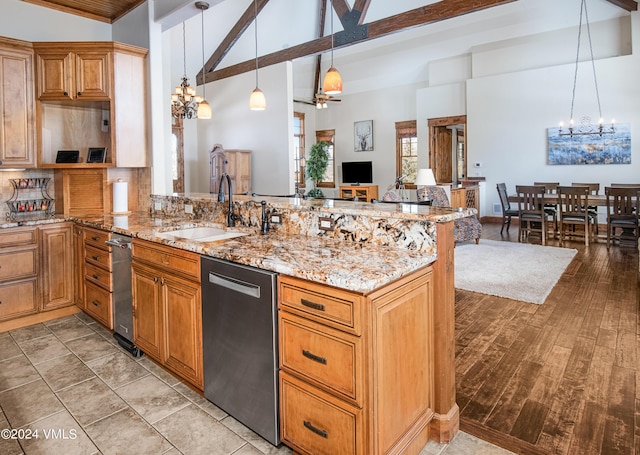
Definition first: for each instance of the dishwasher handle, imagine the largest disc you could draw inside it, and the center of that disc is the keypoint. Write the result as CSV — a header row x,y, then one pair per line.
x,y
119,243
234,284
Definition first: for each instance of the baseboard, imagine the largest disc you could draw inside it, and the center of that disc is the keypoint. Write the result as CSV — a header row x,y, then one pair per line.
x,y
37,318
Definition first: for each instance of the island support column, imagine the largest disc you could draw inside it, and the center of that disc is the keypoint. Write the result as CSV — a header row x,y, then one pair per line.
x,y
446,421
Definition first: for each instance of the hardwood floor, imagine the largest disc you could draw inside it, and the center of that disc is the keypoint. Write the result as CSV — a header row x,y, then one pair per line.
x,y
557,378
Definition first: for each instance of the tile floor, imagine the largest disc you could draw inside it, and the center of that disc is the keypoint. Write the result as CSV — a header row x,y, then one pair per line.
x,y
69,380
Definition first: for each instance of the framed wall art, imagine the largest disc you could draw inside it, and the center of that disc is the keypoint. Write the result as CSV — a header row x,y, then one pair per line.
x,y
363,136
593,148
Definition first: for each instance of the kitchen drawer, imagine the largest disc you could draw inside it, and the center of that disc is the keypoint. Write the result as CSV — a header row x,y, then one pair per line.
x,y
331,358
18,264
18,299
18,236
181,262
98,304
100,258
314,422
96,238
99,276
340,309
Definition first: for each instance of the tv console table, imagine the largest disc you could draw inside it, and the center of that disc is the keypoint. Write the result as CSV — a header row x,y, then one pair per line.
x,y
363,192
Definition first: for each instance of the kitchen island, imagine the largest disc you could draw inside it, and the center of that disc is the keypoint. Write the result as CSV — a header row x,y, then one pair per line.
x,y
389,265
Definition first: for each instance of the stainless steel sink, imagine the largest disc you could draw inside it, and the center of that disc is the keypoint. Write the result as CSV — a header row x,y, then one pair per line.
x,y
200,234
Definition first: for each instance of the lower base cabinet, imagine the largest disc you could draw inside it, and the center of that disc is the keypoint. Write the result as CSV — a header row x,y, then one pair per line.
x,y
57,265
356,369
167,308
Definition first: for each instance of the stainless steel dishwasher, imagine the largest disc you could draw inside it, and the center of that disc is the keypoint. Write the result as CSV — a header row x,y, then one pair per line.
x,y
239,334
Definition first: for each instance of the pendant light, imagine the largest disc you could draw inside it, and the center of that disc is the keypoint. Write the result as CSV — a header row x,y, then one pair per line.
x,y
204,110
184,102
257,101
332,80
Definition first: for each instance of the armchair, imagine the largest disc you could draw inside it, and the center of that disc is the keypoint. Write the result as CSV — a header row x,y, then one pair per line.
x,y
464,229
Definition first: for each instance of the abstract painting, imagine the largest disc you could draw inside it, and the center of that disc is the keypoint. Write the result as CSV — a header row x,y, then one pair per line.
x,y
591,148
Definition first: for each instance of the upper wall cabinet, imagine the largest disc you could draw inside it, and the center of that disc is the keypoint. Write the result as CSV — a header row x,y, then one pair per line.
x,y
91,95
71,75
17,122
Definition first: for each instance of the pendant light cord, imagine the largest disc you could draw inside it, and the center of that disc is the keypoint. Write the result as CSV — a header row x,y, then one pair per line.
x,y
255,4
583,10
204,90
184,51
331,33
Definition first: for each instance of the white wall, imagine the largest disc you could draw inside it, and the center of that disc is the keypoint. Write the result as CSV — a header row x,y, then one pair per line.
x,y
31,22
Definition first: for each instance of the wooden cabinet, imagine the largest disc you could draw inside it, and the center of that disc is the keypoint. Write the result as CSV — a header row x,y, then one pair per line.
x,y
91,94
78,265
466,196
356,370
57,265
362,192
19,266
236,163
167,308
98,298
70,75
17,105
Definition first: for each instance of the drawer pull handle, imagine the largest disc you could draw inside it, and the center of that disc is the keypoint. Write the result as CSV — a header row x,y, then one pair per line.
x,y
95,303
310,304
96,258
315,358
317,431
95,276
95,239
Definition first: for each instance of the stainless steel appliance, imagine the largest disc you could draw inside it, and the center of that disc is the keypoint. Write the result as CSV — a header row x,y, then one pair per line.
x,y
239,333
122,298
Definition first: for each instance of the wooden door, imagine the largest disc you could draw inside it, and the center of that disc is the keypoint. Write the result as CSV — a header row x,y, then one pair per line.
x,y
444,160
57,265
55,76
92,76
182,307
218,166
17,121
442,157
147,310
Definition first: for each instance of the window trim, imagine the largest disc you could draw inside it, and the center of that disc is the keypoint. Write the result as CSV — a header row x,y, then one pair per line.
x,y
404,125
322,135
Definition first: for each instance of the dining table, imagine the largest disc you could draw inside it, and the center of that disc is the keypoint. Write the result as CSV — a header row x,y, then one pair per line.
x,y
599,200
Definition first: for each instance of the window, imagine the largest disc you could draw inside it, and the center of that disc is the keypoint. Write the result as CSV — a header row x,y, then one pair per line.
x,y
329,180
407,152
298,140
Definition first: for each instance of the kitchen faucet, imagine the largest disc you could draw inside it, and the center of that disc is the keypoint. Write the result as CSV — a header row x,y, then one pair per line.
x,y
231,217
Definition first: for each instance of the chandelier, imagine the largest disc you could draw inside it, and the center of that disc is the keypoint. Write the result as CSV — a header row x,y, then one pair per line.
x,y
586,128
184,102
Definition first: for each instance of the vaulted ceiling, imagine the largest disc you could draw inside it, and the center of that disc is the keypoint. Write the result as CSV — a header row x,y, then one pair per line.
x,y
99,10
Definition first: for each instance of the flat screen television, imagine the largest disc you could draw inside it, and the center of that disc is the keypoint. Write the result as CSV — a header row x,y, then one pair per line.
x,y
357,172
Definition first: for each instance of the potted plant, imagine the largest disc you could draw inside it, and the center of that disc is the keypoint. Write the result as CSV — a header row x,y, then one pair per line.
x,y
317,166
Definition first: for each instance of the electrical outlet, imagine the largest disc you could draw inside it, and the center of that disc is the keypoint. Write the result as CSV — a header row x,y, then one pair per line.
x,y
477,164
325,223
188,208
157,205
275,218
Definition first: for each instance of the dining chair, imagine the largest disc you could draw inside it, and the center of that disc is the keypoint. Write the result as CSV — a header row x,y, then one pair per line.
x,y
550,208
464,229
594,189
573,202
531,211
622,213
507,211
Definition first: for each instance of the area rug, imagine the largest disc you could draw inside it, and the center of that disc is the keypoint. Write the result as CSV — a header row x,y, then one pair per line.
x,y
518,271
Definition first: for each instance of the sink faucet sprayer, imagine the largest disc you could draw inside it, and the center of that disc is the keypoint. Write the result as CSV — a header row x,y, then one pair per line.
x,y
231,217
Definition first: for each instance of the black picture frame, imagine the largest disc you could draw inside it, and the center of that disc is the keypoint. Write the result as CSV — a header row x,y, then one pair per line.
x,y
67,156
96,154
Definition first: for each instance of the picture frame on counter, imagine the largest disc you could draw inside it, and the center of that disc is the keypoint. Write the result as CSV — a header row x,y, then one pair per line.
x,y
96,154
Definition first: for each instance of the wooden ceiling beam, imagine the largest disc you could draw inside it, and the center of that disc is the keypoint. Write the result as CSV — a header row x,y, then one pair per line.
x,y
234,34
445,9
629,5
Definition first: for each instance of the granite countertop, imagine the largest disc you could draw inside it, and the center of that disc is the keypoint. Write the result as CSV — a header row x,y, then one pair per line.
x,y
359,267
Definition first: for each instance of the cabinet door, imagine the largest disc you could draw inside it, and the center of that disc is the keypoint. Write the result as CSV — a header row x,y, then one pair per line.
x,y
183,327
17,120
92,75
55,76
57,265
18,298
147,315
78,266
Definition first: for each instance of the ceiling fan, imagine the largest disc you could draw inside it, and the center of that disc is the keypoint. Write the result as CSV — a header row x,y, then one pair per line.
x,y
320,99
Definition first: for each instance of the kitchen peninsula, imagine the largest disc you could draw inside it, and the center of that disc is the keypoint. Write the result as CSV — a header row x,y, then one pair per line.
x,y
381,279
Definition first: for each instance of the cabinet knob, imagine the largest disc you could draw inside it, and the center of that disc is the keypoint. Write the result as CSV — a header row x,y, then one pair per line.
x,y
95,258
95,303
65,93
79,93
155,279
95,276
